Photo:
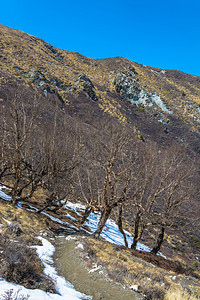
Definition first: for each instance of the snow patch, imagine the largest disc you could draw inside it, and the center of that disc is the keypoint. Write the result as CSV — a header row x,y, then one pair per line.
x,y
153,71
158,72
80,246
53,218
134,287
58,220
110,232
95,268
8,222
75,206
70,237
64,289
3,195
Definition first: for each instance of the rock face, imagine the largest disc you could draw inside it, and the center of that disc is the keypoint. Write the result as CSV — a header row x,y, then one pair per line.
x,y
127,85
87,86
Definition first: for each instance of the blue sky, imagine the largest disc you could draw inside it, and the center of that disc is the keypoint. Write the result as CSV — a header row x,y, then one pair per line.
x,y
163,33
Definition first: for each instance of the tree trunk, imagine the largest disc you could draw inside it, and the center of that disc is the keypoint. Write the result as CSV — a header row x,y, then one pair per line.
x,y
104,217
42,209
136,231
159,241
86,214
49,202
14,192
3,171
120,226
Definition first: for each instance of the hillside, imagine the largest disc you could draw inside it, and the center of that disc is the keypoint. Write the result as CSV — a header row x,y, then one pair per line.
x,y
98,268
117,138
167,100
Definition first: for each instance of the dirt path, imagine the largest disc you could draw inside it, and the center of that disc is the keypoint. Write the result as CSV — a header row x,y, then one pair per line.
x,y
69,264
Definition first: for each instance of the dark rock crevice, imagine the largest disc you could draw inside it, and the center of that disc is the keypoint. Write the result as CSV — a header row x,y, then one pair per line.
x,y
87,86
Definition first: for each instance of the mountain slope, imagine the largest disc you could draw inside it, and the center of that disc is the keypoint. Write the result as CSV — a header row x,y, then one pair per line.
x,y
153,100
159,105
77,99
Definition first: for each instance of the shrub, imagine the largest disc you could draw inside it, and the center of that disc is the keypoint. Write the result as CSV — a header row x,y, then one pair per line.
x,y
19,264
141,137
154,294
195,265
195,241
141,108
11,295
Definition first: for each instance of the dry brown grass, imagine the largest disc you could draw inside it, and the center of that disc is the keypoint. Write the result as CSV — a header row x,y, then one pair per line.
x,y
19,262
124,268
30,224
177,293
24,56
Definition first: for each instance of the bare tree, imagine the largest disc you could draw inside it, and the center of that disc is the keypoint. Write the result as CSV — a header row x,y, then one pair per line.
x,y
120,223
60,160
36,151
18,114
148,182
4,162
164,184
110,180
178,188
160,181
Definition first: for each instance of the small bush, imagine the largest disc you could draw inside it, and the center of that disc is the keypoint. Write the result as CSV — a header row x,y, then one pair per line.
x,y
154,294
141,108
118,274
195,265
141,137
195,241
11,295
21,265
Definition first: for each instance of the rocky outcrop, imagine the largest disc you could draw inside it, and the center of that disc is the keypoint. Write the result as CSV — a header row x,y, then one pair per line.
x,y
127,85
87,86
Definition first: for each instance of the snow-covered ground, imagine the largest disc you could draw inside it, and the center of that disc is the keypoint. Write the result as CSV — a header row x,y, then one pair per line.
x,y
110,232
65,290
3,195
